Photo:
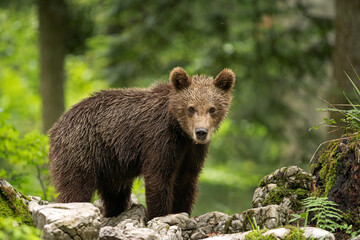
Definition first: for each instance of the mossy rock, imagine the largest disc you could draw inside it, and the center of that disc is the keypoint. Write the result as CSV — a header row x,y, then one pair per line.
x,y
13,204
278,195
257,235
286,187
292,233
295,233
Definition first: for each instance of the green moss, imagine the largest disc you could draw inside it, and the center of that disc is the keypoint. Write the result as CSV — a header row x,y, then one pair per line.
x,y
262,182
304,177
11,206
296,203
295,233
277,195
302,193
326,165
257,235
228,223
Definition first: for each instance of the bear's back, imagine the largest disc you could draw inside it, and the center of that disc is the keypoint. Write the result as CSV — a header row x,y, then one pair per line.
x,y
113,122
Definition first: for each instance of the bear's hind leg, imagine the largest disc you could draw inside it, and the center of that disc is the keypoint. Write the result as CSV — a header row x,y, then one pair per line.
x,y
116,203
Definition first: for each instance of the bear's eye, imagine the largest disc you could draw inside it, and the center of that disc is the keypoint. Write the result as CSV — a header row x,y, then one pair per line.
x,y
191,110
212,110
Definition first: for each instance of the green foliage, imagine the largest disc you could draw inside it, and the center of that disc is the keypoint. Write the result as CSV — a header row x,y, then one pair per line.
x,y
256,234
297,217
139,190
350,117
326,215
82,80
12,229
257,39
349,230
325,212
135,43
22,157
19,70
254,225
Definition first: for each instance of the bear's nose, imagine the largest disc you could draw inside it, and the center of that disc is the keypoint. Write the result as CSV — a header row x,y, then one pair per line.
x,y
201,133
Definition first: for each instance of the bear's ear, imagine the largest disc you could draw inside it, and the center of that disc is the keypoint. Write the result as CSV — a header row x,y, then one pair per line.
x,y
225,80
179,78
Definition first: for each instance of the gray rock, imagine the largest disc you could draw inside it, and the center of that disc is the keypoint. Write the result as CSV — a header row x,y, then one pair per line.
x,y
136,215
181,220
174,233
261,194
317,233
234,236
99,204
284,187
356,238
114,233
35,202
271,216
68,221
279,232
209,223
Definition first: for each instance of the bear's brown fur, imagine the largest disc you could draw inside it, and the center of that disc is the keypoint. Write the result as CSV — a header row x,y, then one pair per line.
x,y
163,133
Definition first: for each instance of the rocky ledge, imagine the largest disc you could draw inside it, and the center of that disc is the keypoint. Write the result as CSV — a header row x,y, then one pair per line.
x,y
274,201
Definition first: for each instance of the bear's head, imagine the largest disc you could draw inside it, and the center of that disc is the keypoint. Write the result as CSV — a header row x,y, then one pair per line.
x,y
200,103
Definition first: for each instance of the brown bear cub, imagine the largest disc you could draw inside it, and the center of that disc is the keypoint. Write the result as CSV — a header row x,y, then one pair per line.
x,y
163,133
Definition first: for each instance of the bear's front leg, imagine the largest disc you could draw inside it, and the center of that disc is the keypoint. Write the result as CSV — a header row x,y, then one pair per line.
x,y
186,181
159,194
185,190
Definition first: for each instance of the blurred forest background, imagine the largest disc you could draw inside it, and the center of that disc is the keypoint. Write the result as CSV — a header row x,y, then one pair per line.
x,y
287,54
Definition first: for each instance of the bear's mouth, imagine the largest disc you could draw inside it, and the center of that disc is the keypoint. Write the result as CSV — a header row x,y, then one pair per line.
x,y
201,142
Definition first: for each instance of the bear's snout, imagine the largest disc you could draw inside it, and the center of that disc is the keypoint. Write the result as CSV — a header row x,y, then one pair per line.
x,y
201,133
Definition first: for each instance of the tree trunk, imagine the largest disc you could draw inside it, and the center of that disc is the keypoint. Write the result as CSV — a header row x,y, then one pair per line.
x,y
346,52
52,29
337,173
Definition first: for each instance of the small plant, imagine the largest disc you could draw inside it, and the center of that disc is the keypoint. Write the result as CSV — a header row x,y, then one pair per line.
x,y
349,230
254,225
351,117
295,233
297,217
256,234
326,215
